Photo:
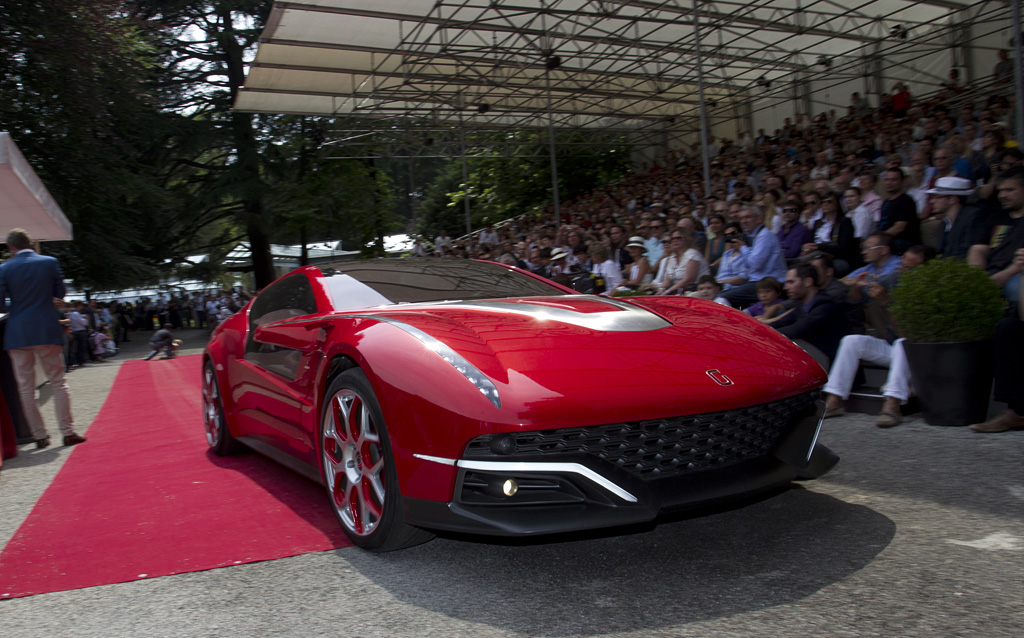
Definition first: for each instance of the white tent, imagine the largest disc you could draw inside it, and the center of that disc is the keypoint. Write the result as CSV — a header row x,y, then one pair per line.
x,y
24,200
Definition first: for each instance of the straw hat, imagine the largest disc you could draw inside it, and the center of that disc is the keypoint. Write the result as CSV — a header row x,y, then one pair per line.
x,y
636,242
952,186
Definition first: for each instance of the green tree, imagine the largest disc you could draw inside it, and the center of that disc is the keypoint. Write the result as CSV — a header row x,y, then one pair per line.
x,y
204,50
501,187
75,94
262,169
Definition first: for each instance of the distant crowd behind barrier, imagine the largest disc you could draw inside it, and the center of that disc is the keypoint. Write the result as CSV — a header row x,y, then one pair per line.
x,y
95,330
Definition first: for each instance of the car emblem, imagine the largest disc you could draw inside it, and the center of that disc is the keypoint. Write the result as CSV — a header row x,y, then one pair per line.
x,y
719,377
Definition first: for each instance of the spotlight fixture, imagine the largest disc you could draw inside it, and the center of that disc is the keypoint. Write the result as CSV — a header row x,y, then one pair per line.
x,y
899,32
552,62
824,61
764,82
483,107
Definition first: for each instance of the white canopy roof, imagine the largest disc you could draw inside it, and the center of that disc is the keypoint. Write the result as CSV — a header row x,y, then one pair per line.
x,y
607,62
24,200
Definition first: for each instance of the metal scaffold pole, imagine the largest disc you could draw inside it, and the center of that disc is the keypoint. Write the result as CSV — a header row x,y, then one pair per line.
x,y
1018,73
554,158
703,108
465,175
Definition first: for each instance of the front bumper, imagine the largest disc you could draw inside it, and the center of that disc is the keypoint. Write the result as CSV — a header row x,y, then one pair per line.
x,y
575,491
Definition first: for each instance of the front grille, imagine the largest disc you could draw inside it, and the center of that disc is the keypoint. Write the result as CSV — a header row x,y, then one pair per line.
x,y
658,448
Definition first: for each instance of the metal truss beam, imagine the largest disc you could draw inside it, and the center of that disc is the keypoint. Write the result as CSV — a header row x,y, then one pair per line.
x,y
487,63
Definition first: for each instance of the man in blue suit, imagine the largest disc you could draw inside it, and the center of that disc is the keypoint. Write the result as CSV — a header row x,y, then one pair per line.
x,y
31,282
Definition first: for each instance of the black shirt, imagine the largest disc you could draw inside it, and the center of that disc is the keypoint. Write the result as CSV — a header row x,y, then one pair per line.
x,y
901,209
1003,235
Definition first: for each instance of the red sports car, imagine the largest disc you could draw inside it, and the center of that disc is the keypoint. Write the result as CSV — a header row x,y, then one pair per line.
x,y
474,397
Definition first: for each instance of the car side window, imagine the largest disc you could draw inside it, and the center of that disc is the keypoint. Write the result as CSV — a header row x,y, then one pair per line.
x,y
290,297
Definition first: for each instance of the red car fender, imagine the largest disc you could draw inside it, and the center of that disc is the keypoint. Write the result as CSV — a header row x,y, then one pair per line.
x,y
227,343
417,390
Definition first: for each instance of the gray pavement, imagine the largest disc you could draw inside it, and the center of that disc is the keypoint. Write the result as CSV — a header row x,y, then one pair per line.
x,y
918,532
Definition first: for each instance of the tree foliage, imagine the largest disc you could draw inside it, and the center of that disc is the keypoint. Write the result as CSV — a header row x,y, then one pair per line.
x,y
75,95
500,187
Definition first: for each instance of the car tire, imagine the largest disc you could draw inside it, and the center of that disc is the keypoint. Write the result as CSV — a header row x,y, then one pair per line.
x,y
218,436
358,467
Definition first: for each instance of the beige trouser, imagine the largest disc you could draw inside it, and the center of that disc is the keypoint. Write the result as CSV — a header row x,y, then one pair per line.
x,y
51,358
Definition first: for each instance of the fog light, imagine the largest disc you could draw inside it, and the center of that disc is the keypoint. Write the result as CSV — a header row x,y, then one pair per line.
x,y
509,487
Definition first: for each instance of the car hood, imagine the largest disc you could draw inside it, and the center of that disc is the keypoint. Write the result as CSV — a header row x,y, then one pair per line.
x,y
596,359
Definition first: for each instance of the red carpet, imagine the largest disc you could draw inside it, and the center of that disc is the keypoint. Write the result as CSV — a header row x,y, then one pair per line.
x,y
144,498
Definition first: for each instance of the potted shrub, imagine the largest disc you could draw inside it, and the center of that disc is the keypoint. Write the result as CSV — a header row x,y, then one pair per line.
x,y
948,312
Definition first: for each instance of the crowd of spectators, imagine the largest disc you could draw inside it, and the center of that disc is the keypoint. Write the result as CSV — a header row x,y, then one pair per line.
x,y
808,227
95,329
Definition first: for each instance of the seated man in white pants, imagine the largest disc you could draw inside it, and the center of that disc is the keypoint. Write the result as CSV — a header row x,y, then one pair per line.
x,y
856,348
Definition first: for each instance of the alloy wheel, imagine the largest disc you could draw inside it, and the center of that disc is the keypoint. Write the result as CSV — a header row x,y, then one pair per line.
x,y
354,467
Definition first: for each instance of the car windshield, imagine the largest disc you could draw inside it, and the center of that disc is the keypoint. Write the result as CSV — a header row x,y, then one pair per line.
x,y
363,284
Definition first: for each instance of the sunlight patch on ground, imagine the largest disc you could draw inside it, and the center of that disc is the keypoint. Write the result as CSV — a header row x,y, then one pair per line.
x,y
994,542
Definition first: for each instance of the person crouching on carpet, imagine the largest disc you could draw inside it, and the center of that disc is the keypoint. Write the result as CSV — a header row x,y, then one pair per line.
x,y
163,338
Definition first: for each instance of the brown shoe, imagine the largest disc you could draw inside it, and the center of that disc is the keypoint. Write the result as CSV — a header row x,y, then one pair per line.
x,y
888,420
73,439
1008,420
43,443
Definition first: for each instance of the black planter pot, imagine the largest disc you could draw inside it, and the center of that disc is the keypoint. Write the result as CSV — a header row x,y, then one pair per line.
x,y
952,380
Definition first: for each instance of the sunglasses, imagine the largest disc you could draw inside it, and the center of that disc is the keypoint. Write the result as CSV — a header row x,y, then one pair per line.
x,y
790,210
732,234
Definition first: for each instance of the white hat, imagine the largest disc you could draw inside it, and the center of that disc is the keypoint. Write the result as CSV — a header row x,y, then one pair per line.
x,y
636,242
559,253
952,186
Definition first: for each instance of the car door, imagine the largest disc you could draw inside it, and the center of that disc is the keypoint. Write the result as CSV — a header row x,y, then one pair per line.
x,y
274,381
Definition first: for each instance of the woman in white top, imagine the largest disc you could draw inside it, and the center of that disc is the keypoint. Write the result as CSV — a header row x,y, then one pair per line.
x,y
604,265
638,272
863,221
684,265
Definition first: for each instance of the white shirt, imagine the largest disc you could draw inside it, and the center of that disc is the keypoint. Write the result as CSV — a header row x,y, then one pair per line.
x,y
863,221
78,322
675,268
611,273
873,202
440,243
920,196
824,233
815,216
